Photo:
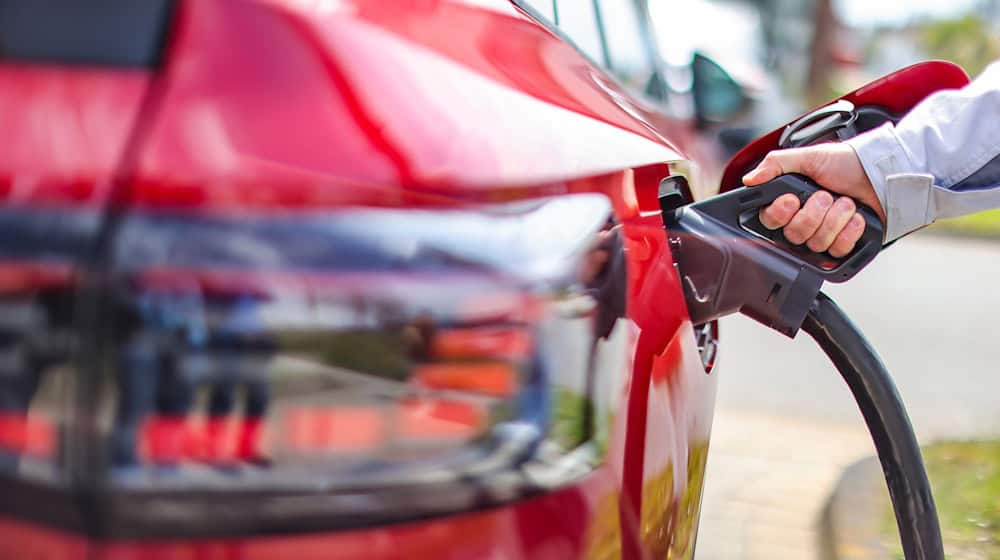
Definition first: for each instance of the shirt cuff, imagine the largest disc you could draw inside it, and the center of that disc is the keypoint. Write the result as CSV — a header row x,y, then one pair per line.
x,y
904,192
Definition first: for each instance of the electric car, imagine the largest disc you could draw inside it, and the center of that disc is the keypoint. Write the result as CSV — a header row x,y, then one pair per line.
x,y
347,278
343,279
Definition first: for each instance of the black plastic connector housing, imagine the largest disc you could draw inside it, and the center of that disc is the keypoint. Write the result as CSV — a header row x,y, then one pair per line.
x,y
728,262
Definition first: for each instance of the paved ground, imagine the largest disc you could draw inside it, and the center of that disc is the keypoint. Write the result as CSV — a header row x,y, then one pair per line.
x,y
786,426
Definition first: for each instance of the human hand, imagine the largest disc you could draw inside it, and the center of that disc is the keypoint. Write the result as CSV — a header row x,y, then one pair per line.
x,y
823,223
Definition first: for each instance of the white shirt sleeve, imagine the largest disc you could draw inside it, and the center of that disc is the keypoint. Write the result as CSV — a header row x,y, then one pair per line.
x,y
941,159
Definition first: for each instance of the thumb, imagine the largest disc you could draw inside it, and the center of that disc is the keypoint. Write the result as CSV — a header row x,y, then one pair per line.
x,y
776,163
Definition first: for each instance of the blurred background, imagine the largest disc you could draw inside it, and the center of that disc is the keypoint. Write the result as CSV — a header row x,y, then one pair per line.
x,y
928,305
793,54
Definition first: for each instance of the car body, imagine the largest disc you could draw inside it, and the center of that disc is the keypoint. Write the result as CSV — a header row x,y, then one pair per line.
x,y
341,278
346,278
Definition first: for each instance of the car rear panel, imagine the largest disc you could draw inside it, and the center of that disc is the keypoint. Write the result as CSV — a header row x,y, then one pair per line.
x,y
376,98
557,525
225,193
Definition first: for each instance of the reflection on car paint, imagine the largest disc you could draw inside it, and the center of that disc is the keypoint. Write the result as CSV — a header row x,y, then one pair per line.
x,y
320,352
38,255
677,448
362,346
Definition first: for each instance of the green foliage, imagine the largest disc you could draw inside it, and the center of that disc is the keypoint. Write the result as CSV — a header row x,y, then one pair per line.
x,y
568,427
966,41
966,481
969,42
381,354
982,224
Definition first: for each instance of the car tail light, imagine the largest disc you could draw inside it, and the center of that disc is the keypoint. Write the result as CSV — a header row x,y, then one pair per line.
x,y
355,356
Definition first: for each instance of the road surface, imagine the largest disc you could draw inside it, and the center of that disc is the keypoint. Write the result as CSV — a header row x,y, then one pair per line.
x,y
785,424
930,305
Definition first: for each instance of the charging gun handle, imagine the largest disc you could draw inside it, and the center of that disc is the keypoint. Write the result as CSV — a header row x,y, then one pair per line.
x,y
728,262
740,210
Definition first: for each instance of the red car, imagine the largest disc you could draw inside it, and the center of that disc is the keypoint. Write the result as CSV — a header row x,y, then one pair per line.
x,y
346,278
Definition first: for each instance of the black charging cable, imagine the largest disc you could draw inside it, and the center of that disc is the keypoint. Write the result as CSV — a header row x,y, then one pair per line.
x,y
888,424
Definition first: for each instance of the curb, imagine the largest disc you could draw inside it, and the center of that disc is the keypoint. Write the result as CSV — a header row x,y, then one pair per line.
x,y
849,525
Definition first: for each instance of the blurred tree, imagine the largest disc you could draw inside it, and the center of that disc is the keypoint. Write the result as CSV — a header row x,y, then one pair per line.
x,y
966,41
817,86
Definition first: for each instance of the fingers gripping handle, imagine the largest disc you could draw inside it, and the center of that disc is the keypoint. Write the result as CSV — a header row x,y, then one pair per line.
x,y
742,209
728,262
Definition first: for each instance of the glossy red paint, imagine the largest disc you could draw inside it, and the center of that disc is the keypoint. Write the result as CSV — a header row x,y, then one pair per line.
x,y
27,540
897,92
563,524
68,128
670,403
383,106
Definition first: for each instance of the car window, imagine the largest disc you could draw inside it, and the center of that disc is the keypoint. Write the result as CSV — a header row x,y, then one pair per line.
x,y
578,20
629,55
547,8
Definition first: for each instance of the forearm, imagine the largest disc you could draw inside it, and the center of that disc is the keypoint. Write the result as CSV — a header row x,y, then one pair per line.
x,y
940,160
